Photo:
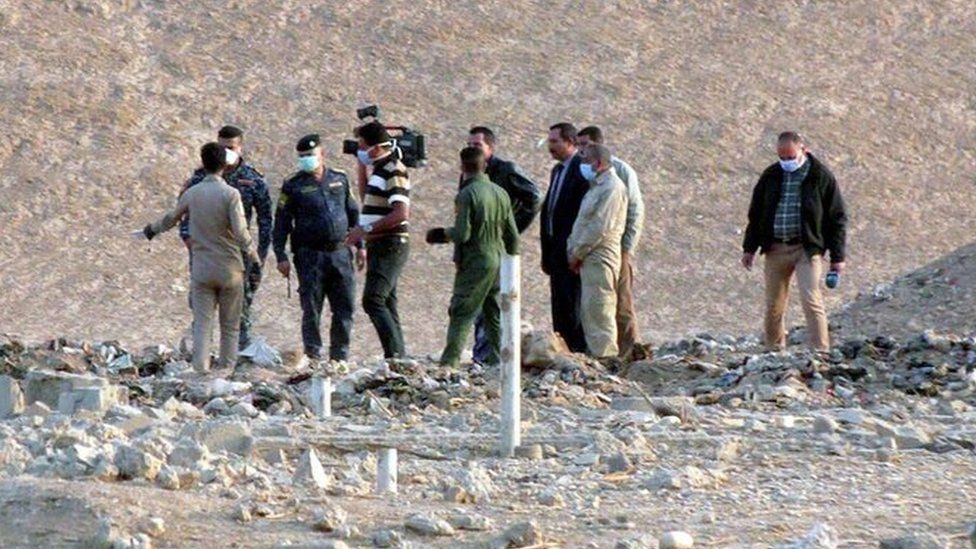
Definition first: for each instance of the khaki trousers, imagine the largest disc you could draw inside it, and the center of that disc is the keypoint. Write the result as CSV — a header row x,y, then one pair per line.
x,y
626,314
782,261
224,294
598,305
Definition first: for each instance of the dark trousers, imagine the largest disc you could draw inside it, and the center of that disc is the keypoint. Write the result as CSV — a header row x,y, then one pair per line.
x,y
386,258
564,288
326,274
482,347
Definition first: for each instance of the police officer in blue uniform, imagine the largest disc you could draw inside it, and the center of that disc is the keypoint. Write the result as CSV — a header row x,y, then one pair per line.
x,y
255,198
316,209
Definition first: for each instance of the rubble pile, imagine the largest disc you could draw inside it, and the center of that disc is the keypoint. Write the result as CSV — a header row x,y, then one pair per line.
x,y
675,425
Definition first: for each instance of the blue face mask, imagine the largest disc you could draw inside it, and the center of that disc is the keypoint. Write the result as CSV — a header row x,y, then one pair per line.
x,y
791,165
587,171
308,163
363,157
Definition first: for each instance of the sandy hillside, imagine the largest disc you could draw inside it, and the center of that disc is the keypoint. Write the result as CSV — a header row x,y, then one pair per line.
x,y
104,105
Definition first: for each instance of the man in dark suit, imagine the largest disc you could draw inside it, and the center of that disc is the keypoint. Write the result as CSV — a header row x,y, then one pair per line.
x,y
559,210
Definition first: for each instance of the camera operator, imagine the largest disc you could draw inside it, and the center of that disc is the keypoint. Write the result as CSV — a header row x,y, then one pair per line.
x,y
383,224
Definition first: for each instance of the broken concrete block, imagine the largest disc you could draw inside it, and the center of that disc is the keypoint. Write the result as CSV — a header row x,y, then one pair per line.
x,y
135,463
93,399
11,397
309,471
46,386
227,436
187,453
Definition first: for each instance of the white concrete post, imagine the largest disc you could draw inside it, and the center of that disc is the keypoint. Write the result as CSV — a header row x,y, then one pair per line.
x,y
511,354
320,396
386,471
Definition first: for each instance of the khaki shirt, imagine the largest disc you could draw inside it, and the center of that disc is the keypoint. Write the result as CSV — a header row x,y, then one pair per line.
x,y
602,218
217,225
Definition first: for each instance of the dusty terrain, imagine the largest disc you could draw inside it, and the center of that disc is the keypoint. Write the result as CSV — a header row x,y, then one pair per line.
x,y
104,104
738,449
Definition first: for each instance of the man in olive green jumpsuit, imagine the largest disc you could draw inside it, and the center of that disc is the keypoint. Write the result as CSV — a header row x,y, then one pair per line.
x,y
484,229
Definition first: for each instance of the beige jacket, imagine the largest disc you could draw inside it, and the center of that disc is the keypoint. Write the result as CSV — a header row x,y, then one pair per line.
x,y
218,228
602,218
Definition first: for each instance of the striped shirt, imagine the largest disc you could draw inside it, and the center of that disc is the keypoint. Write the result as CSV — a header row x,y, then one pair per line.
x,y
787,224
388,185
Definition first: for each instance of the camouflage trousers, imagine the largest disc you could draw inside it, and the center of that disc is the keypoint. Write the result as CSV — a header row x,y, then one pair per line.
x,y
252,281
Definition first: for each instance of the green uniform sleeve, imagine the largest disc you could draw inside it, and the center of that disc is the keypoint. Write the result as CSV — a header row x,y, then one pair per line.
x,y
461,231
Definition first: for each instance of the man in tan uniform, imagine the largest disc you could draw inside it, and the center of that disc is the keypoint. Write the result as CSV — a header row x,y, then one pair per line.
x,y
220,234
594,250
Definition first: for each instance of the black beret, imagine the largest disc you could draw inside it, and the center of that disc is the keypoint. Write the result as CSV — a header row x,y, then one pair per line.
x,y
373,133
230,132
308,142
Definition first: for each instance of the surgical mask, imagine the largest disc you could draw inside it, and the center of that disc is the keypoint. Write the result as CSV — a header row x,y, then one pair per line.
x,y
363,157
587,171
308,163
231,157
791,165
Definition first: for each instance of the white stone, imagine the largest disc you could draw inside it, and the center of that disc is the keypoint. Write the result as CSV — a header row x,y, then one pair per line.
x,y
11,397
428,525
309,471
677,540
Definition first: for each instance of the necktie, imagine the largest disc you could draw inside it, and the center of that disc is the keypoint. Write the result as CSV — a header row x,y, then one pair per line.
x,y
556,187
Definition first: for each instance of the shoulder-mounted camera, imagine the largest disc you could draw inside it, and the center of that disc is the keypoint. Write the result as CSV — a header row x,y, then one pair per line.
x,y
409,145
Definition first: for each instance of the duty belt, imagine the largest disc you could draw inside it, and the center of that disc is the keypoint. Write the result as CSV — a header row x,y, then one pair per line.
x,y
328,247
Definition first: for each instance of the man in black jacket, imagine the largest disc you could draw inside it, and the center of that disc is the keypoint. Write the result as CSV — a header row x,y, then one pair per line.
x,y
797,216
522,192
559,210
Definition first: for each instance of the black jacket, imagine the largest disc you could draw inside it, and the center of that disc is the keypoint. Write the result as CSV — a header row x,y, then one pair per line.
x,y
823,215
567,205
523,192
316,215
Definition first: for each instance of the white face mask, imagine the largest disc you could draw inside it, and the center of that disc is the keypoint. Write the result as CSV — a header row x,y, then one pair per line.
x,y
232,157
363,157
791,165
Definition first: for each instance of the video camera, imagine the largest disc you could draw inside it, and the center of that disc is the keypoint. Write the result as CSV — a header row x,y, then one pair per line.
x,y
409,145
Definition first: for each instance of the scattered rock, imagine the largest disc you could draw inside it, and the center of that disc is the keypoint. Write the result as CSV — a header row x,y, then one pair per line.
x,y
386,538
521,534
330,519
134,463
466,521
428,525
309,471
915,541
677,540
821,536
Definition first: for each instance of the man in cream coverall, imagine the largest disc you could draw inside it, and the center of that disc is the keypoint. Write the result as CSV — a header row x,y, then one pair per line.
x,y
220,235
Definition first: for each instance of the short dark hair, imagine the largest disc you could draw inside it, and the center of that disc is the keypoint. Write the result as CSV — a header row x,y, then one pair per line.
x,y
599,152
472,160
566,130
485,131
230,132
373,133
790,137
214,157
594,133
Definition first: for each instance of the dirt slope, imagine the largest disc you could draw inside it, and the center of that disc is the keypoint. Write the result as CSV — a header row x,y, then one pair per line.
x,y
104,104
